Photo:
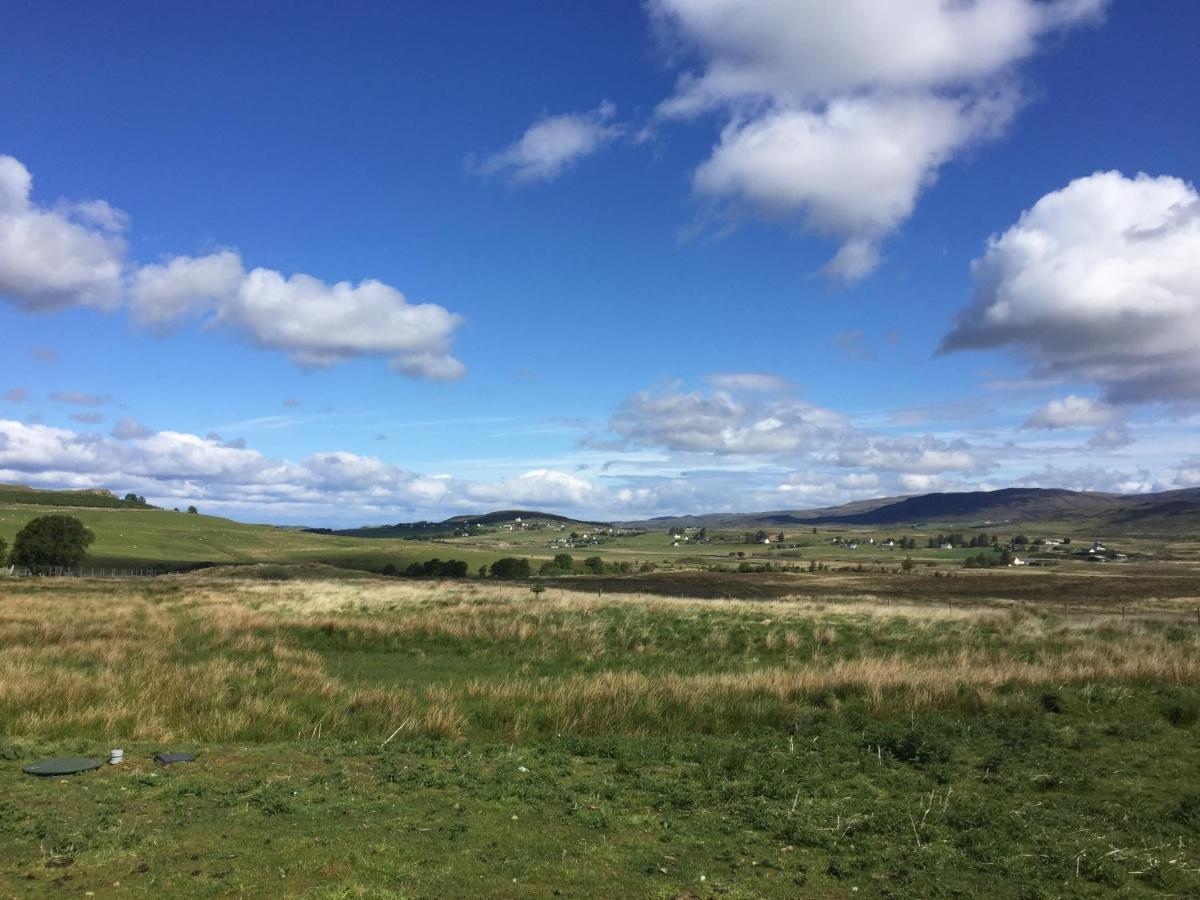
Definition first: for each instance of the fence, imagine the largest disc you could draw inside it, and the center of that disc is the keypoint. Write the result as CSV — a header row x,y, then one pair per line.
x,y
85,572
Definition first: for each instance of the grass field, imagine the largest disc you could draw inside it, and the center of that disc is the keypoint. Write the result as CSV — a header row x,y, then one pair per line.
x,y
142,538
385,738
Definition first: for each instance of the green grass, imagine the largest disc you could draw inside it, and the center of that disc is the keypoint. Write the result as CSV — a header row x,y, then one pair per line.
x,y
510,773
128,538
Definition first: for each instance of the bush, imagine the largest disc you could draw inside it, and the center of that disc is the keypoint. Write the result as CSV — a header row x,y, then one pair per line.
x,y
51,541
436,568
510,567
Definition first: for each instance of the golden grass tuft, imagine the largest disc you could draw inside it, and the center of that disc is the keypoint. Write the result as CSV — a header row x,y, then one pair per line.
x,y
229,661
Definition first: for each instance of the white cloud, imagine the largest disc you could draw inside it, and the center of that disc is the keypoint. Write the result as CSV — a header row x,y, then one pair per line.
x,y
174,466
840,114
73,255
1071,412
913,455
164,293
1098,282
756,422
318,324
852,170
722,422
552,144
315,323
52,259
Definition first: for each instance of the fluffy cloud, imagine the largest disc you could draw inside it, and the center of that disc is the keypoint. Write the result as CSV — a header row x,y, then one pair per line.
x,y
722,422
1097,282
1071,412
175,466
74,256
754,422
51,259
841,113
552,144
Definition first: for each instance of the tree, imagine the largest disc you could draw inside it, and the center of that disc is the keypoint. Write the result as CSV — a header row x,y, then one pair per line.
x,y
907,565
193,511
390,570
510,567
564,561
594,564
3,550
51,541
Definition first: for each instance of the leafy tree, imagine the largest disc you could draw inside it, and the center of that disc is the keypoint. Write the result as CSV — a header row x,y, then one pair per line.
x,y
390,570
511,567
3,550
193,510
907,565
51,541
594,564
564,561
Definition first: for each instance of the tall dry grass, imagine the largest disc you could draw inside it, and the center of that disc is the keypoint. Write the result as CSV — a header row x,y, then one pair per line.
x,y
230,661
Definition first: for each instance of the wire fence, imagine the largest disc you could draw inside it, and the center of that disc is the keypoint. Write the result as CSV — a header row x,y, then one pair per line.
x,y
85,572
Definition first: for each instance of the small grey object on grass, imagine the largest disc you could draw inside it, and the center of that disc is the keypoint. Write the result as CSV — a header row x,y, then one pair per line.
x,y
61,765
167,758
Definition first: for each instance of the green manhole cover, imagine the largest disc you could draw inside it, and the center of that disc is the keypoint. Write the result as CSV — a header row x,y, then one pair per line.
x,y
63,765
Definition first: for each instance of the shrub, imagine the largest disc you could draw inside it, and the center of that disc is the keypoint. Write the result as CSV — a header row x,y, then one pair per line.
x,y
510,567
51,541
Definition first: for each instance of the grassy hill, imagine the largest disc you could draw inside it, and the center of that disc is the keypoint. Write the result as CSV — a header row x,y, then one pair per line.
x,y
93,498
154,537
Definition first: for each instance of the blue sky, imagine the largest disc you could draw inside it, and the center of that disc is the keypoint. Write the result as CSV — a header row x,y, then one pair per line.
x,y
623,259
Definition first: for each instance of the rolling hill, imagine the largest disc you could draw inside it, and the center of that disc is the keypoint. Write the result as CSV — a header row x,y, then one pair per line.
x,y
1170,511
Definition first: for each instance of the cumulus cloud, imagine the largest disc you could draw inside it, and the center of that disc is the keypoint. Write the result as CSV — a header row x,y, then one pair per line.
x,y
1071,412
1098,282
173,466
317,324
74,255
840,114
723,422
552,144
751,422
54,258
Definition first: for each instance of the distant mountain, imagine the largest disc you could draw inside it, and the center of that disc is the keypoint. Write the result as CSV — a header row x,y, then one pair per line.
x,y
1172,511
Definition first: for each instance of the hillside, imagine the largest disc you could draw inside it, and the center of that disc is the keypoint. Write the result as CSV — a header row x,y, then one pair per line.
x,y
89,498
1170,511
458,525
174,540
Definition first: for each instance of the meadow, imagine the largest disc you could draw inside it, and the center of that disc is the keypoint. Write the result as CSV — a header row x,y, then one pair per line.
x,y
392,738
168,540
